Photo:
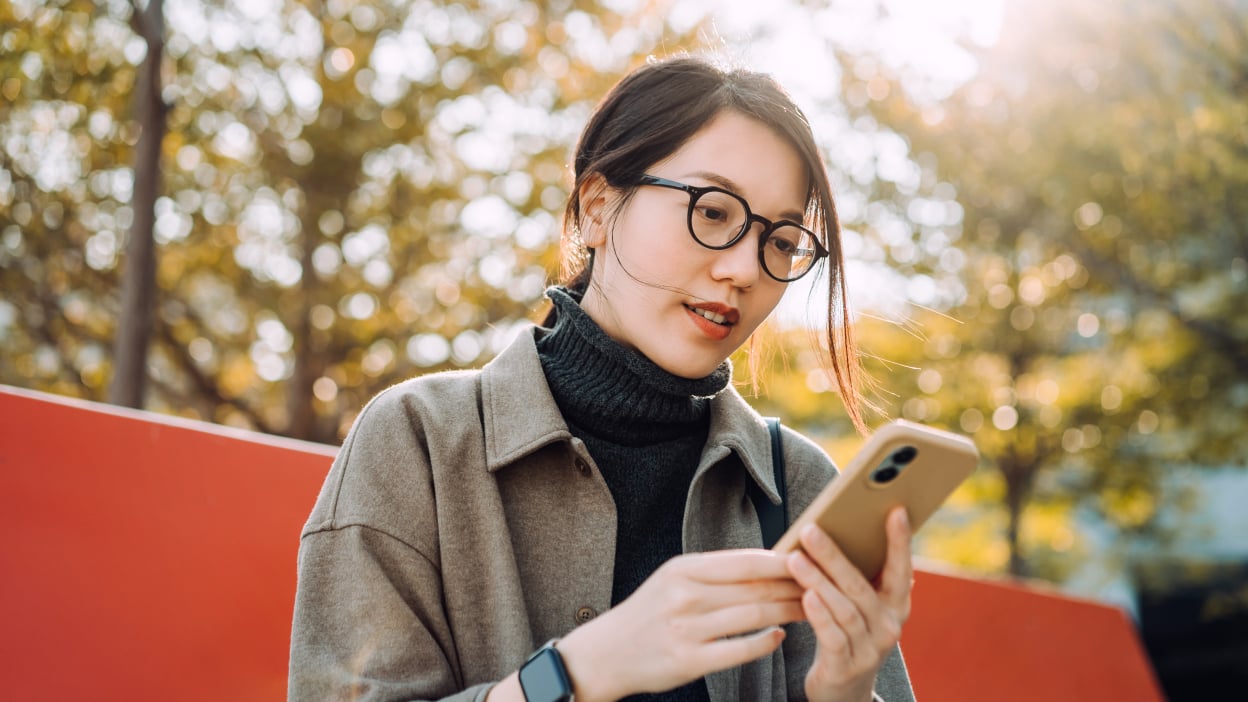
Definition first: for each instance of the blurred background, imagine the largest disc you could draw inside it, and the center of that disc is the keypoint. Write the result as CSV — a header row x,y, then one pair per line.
x,y
262,212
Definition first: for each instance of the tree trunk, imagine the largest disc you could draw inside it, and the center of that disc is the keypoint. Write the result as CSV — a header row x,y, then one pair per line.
x,y
299,398
1015,498
1018,465
138,291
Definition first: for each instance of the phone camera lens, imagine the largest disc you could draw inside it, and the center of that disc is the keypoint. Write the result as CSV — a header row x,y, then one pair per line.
x,y
885,474
904,455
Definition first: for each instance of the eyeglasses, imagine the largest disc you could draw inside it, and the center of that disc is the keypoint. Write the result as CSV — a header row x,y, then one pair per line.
x,y
719,218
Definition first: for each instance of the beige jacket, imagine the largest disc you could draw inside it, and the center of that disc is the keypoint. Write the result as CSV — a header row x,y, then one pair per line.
x,y
461,526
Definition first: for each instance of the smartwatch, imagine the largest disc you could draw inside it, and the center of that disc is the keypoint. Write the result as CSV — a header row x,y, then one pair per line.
x,y
543,678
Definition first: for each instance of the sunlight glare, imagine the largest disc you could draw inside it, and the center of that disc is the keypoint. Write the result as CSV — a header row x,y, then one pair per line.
x,y
920,42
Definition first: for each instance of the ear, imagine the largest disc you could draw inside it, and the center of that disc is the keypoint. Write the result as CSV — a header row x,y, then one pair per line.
x,y
594,195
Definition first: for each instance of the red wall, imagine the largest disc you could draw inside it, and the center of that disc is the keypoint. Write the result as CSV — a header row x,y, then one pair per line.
x,y
154,558
146,557
974,640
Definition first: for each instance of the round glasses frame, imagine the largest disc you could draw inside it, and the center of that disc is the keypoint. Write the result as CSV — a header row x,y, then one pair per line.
x,y
695,192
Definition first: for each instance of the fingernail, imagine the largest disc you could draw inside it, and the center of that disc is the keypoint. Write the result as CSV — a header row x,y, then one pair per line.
x,y
798,562
811,532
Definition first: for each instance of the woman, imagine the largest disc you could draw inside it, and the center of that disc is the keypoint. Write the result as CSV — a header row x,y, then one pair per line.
x,y
587,488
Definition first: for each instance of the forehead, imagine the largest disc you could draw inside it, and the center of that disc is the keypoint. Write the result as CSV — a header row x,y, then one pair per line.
x,y
765,168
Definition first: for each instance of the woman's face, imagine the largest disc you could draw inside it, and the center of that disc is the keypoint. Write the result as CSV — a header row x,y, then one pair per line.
x,y
653,285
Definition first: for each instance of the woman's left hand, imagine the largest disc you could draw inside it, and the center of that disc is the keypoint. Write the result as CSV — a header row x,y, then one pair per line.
x,y
856,623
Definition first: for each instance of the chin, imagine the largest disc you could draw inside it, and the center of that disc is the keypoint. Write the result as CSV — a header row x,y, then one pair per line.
x,y
690,371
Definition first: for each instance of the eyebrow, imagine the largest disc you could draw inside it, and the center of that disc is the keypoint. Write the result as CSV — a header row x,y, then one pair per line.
x,y
728,184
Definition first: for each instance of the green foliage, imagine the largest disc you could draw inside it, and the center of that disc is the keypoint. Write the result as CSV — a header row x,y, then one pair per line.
x,y
1100,160
1071,234
354,193
357,192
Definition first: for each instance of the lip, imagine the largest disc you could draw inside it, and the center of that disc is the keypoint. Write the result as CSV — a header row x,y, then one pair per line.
x,y
717,332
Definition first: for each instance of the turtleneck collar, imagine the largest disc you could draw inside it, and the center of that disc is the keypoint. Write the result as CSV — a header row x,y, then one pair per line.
x,y
614,392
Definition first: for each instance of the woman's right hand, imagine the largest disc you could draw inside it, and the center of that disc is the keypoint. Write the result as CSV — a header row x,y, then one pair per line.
x,y
689,618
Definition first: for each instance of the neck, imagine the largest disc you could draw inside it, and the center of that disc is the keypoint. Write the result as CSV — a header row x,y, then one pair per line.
x,y
616,392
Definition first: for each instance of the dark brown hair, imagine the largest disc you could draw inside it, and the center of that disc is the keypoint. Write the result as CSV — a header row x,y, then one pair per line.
x,y
649,115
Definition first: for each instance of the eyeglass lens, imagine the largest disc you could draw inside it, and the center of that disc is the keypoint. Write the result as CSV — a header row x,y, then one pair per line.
x,y
717,218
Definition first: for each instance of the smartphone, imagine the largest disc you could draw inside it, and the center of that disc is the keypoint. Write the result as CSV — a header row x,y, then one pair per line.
x,y
902,463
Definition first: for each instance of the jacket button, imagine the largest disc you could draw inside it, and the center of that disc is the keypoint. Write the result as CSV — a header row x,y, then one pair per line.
x,y
584,614
582,466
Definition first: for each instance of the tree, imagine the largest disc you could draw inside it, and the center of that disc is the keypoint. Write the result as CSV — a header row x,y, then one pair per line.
x,y
61,190
355,192
1068,231
1100,165
139,283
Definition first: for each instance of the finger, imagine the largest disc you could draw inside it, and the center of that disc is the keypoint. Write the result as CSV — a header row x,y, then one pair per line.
x,y
845,614
870,619
714,597
734,566
832,561
738,650
733,621
897,578
832,639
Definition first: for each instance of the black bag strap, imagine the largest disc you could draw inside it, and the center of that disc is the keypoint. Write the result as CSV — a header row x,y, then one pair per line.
x,y
772,518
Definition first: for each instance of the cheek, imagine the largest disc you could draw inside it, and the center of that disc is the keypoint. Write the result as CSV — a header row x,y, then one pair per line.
x,y
766,304
656,248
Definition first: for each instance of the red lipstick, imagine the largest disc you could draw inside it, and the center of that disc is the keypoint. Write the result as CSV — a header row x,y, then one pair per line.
x,y
715,330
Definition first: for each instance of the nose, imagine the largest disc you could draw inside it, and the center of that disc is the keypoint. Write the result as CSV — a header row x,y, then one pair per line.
x,y
739,264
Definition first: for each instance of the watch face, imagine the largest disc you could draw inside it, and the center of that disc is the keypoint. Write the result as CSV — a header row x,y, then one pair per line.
x,y
543,678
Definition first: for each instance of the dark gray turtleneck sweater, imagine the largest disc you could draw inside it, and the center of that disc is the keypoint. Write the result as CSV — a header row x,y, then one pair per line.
x,y
645,429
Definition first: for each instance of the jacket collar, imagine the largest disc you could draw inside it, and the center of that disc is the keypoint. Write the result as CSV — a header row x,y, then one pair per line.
x,y
518,412
736,426
520,416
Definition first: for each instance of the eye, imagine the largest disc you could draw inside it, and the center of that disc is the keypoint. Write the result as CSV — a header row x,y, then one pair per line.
x,y
785,247
718,210
785,243
711,213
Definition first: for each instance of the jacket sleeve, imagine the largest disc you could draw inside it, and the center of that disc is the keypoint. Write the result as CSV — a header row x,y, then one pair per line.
x,y
892,683
368,621
808,469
